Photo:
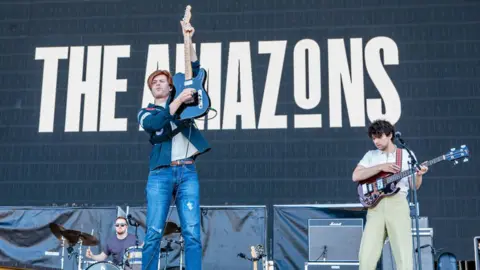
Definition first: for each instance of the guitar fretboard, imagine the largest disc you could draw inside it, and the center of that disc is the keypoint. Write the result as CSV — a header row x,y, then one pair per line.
x,y
188,66
406,173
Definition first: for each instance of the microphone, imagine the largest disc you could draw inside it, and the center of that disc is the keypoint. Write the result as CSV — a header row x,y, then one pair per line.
x,y
398,136
131,220
324,253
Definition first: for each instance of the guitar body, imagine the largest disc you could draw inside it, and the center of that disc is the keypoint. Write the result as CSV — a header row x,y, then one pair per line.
x,y
201,105
372,190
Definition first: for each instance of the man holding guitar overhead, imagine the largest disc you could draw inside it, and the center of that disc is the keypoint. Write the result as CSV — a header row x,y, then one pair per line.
x,y
390,215
176,144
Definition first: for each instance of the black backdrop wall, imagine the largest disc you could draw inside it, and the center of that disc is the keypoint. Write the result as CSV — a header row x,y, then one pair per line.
x,y
295,84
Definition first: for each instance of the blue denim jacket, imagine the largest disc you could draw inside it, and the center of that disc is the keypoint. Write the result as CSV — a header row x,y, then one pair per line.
x,y
155,120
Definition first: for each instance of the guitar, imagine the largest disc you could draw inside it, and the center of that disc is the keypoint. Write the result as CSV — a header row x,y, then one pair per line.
x,y
253,253
372,190
257,253
201,104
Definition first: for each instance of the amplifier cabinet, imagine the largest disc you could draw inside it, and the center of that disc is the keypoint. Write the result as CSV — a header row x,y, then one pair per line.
x,y
334,239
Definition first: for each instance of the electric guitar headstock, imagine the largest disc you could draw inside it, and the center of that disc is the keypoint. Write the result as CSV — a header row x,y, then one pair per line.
x,y
253,253
186,17
257,252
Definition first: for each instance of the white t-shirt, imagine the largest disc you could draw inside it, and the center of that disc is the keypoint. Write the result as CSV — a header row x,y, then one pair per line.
x,y
376,157
180,143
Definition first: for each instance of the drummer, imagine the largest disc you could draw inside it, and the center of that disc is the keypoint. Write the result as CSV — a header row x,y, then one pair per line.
x,y
117,244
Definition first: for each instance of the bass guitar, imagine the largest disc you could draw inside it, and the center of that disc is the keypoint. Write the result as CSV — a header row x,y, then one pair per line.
x,y
201,104
372,190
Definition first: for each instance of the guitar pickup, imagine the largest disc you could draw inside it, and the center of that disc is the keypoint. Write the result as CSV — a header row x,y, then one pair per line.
x,y
364,189
189,82
380,184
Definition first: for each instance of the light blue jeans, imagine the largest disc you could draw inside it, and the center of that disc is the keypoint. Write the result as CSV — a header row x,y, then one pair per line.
x,y
161,186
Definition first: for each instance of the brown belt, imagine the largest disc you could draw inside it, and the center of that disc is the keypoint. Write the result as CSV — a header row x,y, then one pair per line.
x,y
181,162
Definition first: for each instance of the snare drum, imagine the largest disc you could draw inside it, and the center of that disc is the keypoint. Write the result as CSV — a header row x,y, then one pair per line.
x,y
103,266
132,259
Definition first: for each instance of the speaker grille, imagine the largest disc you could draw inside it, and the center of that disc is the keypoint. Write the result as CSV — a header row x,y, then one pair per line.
x,y
333,240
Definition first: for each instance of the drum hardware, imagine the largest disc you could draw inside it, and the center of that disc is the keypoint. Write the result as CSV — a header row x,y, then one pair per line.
x,y
181,251
172,228
166,250
133,222
63,252
73,237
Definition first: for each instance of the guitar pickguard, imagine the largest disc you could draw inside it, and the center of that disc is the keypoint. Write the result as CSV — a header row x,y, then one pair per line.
x,y
200,98
201,103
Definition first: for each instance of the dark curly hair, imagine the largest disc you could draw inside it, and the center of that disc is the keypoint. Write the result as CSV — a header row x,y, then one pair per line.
x,y
380,127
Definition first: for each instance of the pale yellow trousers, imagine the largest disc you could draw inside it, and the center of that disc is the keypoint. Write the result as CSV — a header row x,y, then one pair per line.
x,y
390,217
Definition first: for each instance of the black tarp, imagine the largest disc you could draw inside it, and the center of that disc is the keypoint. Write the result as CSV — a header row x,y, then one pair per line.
x,y
290,230
26,239
226,232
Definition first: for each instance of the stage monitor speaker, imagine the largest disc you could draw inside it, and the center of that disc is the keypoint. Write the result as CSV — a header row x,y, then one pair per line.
x,y
334,239
331,265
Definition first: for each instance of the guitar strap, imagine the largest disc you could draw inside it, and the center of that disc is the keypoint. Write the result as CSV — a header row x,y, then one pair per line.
x,y
399,158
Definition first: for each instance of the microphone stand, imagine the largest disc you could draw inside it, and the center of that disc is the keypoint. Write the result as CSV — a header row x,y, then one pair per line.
x,y
413,165
136,234
135,224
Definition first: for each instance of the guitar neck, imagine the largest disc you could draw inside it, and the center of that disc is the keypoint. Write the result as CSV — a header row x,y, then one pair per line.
x,y
406,173
255,265
187,42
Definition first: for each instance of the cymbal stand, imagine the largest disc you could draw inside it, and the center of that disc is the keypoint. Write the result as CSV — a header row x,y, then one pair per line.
x,y
80,254
168,247
63,252
181,252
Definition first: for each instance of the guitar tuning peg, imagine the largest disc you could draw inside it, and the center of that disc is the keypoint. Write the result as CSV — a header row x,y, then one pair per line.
x,y
465,159
453,149
463,146
455,162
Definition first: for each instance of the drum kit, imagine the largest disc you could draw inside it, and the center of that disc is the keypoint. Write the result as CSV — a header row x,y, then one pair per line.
x,y
132,258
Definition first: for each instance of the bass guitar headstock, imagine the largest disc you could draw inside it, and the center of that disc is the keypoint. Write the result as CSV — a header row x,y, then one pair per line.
x,y
456,154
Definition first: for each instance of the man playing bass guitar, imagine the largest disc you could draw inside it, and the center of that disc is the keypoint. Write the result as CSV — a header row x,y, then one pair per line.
x,y
391,216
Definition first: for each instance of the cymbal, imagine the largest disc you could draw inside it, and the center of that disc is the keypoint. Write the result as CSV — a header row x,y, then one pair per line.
x,y
73,236
56,230
171,228
88,239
